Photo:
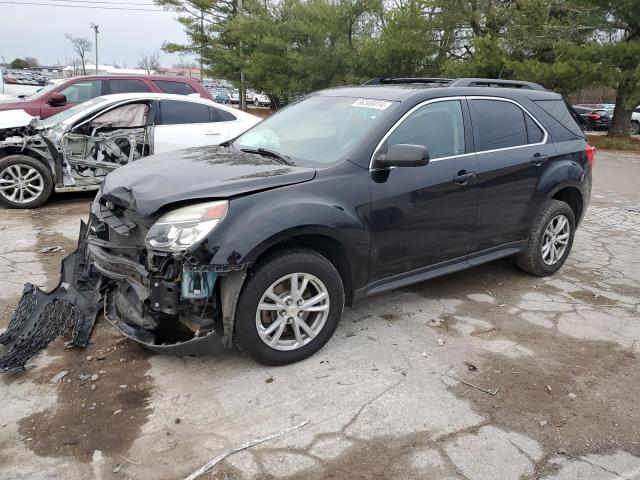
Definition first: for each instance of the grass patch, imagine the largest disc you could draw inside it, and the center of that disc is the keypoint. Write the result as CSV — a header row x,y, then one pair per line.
x,y
603,142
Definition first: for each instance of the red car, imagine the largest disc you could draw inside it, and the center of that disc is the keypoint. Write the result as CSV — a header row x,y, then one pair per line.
x,y
60,96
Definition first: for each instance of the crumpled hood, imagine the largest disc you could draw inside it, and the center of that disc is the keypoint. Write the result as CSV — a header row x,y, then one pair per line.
x,y
15,118
148,184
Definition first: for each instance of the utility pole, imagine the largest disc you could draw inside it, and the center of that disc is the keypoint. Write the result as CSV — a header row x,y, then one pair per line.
x,y
95,29
201,42
242,100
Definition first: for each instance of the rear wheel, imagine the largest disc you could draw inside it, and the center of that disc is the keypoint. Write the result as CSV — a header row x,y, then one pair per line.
x,y
289,307
550,240
24,182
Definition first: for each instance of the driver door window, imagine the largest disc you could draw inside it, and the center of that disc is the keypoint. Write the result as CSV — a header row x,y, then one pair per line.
x,y
438,126
128,116
82,91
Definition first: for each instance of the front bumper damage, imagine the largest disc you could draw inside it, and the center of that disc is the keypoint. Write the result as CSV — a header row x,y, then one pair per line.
x,y
152,302
41,317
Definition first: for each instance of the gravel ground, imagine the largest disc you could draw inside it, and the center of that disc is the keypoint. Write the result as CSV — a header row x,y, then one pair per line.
x,y
484,374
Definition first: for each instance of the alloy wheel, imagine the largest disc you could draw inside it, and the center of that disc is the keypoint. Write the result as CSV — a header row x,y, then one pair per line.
x,y
21,183
555,239
292,311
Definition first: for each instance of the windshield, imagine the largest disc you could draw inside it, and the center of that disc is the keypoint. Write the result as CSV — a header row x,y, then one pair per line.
x,y
318,129
41,92
69,112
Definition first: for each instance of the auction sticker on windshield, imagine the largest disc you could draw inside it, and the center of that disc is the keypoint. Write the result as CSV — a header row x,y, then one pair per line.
x,y
371,103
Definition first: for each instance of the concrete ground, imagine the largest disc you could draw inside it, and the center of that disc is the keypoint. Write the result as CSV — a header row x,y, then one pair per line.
x,y
485,374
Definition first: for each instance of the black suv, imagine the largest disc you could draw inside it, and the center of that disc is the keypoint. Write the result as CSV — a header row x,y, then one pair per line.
x,y
346,193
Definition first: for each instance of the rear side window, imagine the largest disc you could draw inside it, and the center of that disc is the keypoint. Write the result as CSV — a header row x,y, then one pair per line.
x,y
218,115
127,86
534,132
558,110
177,88
83,91
498,124
437,126
175,112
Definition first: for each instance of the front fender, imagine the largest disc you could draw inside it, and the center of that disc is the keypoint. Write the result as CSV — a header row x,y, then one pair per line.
x,y
259,221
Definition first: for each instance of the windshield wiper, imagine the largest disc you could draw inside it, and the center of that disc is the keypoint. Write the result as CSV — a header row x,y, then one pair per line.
x,y
270,153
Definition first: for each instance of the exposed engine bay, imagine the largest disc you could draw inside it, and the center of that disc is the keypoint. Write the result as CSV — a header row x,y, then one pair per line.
x,y
80,157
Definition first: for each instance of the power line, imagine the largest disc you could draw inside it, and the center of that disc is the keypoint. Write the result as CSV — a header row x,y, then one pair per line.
x,y
109,3
59,5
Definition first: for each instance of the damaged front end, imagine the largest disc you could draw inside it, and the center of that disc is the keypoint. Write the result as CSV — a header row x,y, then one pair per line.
x,y
166,301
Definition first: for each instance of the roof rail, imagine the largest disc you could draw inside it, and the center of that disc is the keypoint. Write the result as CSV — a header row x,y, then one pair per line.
x,y
410,80
495,82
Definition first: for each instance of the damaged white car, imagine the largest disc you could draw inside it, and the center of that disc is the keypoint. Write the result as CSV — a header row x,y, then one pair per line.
x,y
75,149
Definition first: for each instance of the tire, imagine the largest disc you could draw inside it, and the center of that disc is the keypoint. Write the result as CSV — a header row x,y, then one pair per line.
x,y
32,179
274,274
533,260
634,128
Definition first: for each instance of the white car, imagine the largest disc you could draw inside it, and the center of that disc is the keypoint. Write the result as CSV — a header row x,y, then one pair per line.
x,y
635,121
75,149
260,99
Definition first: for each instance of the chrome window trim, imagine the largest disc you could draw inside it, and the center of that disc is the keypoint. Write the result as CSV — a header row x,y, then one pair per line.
x,y
459,98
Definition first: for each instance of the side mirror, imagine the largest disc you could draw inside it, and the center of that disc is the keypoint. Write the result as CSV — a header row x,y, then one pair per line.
x,y
402,155
57,99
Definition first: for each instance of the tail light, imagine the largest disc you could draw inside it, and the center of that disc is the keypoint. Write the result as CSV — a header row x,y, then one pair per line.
x,y
595,116
591,155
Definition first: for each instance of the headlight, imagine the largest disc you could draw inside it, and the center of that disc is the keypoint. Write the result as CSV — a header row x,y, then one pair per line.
x,y
181,228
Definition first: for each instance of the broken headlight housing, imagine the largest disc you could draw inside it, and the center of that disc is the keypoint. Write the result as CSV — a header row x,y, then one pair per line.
x,y
178,229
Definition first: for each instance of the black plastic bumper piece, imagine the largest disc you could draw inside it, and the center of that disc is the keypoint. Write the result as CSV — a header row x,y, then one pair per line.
x,y
41,317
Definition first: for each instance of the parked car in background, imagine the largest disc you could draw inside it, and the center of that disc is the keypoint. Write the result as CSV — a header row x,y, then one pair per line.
x,y
58,97
347,193
634,129
594,119
75,149
222,97
234,97
261,100
10,89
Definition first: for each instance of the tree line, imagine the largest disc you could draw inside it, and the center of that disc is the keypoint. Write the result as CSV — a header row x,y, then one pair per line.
x,y
291,47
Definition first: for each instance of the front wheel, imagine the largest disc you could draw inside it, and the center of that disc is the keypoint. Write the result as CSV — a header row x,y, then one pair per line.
x,y
550,240
289,307
24,182
634,128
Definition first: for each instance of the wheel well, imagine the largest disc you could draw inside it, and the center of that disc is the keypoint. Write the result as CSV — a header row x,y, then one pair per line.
x,y
328,247
6,151
572,197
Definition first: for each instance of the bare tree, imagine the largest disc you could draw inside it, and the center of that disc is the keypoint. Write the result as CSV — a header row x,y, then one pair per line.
x,y
82,46
75,64
31,62
150,63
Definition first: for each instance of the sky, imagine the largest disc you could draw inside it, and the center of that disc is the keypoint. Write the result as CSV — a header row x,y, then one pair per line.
x,y
124,36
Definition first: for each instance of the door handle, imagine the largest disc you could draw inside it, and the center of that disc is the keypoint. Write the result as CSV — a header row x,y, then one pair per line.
x,y
463,176
212,133
538,159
